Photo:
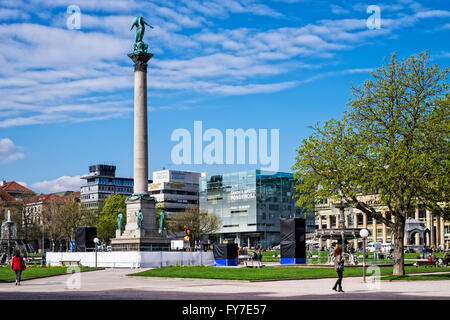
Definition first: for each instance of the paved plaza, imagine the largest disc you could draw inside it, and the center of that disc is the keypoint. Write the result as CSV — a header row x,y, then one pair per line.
x,y
114,284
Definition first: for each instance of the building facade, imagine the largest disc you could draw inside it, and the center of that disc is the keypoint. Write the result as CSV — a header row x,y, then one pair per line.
x,y
439,235
174,190
250,205
34,207
101,183
16,190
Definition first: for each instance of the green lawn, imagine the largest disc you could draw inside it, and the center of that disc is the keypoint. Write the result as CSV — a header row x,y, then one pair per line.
x,y
266,273
323,256
441,276
7,275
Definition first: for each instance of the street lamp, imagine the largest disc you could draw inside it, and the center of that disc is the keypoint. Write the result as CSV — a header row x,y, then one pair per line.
x,y
96,241
364,233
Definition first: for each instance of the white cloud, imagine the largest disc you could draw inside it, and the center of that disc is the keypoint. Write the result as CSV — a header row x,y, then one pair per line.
x,y
9,14
8,151
81,75
64,183
338,9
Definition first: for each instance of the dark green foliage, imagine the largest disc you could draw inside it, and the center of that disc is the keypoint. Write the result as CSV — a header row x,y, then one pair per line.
x,y
107,223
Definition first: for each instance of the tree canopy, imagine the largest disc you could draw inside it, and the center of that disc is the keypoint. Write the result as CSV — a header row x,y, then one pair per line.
x,y
107,222
393,142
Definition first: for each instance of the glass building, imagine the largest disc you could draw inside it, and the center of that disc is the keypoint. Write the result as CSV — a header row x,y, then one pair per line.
x,y
250,205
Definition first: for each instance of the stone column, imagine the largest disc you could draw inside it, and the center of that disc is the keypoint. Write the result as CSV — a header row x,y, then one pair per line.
x,y
384,229
432,229
355,225
391,233
438,231
405,239
328,227
140,235
320,228
364,220
441,233
140,122
428,224
417,236
374,230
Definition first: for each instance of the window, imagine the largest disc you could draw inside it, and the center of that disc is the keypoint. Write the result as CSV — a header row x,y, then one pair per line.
x,y
422,213
360,219
333,221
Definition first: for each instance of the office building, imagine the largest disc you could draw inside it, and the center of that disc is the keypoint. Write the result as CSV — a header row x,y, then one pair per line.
x,y
250,205
101,183
174,190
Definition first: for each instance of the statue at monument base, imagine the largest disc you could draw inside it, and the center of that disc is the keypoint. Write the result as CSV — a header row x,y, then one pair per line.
x,y
140,232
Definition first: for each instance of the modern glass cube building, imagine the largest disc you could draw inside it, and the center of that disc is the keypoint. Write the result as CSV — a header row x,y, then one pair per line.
x,y
250,204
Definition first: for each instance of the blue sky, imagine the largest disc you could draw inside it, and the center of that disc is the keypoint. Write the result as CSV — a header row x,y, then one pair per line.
x,y
67,94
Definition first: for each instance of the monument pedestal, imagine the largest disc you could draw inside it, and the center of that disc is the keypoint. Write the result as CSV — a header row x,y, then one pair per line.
x,y
145,238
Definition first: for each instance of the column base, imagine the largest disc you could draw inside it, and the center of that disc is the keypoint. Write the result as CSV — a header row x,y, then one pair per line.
x,y
146,237
140,244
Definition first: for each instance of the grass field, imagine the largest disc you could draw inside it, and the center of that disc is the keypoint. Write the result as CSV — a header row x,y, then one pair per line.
x,y
266,273
323,256
441,276
7,275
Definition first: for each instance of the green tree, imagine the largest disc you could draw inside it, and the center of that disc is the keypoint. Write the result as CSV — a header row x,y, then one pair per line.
x,y
68,217
107,222
199,223
393,142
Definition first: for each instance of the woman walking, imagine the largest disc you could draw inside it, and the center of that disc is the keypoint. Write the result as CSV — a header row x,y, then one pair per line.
x,y
339,267
18,265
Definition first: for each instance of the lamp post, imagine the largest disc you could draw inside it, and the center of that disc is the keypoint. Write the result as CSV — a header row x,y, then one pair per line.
x,y
364,233
96,241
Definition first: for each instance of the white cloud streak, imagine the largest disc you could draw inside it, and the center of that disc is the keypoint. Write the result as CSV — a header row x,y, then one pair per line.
x,y
52,74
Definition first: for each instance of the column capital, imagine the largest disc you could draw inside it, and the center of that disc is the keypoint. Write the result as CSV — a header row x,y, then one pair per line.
x,y
140,60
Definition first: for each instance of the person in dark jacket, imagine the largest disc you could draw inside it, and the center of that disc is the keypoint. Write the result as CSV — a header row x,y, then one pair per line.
x,y
18,265
339,267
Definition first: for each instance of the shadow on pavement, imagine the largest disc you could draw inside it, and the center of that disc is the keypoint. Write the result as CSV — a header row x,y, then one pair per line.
x,y
177,295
